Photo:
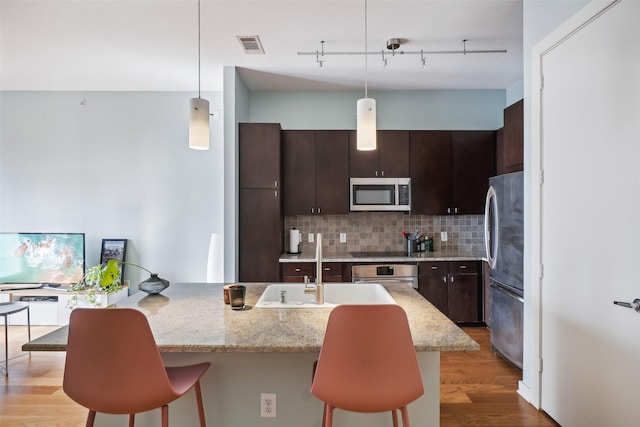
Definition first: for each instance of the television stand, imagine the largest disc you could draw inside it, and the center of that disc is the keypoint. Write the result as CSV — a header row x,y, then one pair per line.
x,y
49,306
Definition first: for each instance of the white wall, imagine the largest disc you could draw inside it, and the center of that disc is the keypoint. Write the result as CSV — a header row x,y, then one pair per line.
x,y
431,109
236,106
113,165
540,18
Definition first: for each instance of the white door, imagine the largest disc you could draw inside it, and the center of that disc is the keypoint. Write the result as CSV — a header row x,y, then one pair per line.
x,y
590,216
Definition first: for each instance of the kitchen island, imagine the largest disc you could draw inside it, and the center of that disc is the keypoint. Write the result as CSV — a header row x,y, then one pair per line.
x,y
256,351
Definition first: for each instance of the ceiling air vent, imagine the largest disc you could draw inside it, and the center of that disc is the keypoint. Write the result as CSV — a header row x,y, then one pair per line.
x,y
251,45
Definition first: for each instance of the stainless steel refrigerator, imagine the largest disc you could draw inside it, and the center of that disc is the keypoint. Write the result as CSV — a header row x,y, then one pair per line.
x,y
504,241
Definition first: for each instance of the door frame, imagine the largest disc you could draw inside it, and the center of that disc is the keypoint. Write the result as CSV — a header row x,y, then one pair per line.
x,y
532,391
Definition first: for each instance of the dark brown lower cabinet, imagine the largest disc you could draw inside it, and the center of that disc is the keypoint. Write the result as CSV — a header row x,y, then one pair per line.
x,y
293,272
454,288
261,235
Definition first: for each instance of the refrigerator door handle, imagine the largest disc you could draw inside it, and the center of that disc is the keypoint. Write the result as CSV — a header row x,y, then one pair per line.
x,y
491,227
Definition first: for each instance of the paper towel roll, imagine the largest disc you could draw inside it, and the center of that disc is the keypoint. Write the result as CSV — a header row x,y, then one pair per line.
x,y
215,259
294,241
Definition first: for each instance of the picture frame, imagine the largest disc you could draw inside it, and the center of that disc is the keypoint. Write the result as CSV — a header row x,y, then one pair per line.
x,y
114,249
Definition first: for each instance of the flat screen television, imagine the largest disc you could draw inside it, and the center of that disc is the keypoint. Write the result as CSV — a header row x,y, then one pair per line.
x,y
41,258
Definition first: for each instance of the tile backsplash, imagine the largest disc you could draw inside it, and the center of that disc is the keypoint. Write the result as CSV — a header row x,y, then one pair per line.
x,y
382,231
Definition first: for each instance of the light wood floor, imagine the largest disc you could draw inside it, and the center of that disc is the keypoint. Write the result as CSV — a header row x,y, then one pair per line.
x,y
477,389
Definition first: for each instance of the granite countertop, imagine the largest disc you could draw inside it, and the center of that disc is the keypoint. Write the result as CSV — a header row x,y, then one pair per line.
x,y
192,317
415,257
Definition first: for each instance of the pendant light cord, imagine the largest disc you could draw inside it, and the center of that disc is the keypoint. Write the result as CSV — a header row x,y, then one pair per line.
x,y
198,48
366,76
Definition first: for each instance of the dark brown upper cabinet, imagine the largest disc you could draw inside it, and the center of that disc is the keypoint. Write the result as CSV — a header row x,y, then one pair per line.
x,y
259,155
510,146
450,171
390,159
315,172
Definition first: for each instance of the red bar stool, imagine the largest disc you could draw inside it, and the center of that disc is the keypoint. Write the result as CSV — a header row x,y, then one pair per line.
x,y
367,362
7,309
113,366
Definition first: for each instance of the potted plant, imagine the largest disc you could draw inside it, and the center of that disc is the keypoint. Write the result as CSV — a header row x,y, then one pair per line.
x,y
99,279
105,279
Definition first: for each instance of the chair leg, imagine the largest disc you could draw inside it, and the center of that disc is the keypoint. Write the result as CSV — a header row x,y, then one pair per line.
x,y
405,416
200,407
165,415
91,418
394,417
132,420
328,415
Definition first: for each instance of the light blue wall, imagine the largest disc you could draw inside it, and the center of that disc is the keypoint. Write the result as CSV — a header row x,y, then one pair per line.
x,y
436,109
113,165
515,92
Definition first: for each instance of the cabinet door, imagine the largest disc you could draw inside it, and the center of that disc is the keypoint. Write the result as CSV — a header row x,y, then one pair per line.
x,y
464,298
472,165
332,172
259,155
433,284
430,171
500,168
261,235
362,164
299,172
513,153
393,153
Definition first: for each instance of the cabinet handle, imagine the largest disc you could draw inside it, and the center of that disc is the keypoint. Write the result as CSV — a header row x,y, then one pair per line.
x,y
463,266
313,210
298,270
444,279
275,184
451,279
448,210
276,193
433,267
455,210
319,210
327,269
382,173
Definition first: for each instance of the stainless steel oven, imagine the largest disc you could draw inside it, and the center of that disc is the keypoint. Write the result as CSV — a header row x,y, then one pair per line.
x,y
386,273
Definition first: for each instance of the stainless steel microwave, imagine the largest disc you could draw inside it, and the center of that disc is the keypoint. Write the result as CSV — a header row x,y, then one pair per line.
x,y
380,194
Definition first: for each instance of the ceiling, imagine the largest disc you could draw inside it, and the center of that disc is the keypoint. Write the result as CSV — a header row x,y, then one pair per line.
x,y
152,45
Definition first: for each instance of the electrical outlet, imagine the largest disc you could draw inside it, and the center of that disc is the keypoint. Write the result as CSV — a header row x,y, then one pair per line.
x,y
343,237
443,236
268,405
310,237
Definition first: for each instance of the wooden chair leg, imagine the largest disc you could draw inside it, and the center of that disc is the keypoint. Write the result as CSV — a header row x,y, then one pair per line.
x,y
165,415
200,407
394,417
91,418
132,420
328,421
405,417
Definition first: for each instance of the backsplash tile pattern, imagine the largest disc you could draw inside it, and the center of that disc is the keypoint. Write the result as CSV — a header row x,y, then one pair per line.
x,y
382,231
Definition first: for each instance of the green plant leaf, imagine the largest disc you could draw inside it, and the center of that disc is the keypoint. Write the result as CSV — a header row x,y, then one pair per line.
x,y
111,274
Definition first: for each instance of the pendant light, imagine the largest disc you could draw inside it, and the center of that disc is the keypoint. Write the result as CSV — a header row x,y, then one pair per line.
x,y
199,112
366,107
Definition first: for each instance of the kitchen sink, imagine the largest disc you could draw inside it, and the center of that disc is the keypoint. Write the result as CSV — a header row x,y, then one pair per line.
x,y
334,294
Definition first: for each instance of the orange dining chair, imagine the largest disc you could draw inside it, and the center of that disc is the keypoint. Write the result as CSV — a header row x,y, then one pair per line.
x,y
113,366
367,362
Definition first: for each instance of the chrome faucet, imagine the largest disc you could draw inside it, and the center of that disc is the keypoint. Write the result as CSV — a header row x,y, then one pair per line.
x,y
318,290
